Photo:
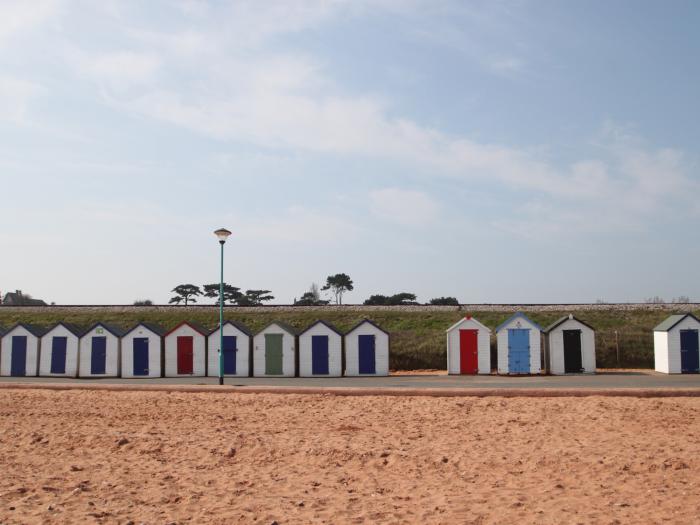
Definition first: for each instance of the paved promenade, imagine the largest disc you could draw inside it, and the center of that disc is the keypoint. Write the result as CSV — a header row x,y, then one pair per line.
x,y
617,383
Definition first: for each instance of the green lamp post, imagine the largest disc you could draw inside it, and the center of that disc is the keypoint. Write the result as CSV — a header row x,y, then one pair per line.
x,y
222,234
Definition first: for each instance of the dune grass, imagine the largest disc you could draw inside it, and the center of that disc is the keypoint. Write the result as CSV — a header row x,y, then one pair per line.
x,y
417,337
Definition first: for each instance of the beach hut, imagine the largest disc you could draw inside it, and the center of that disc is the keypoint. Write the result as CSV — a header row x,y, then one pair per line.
x,y
142,351
186,351
569,345
468,347
237,347
321,351
99,351
518,341
19,350
274,351
676,345
366,350
59,351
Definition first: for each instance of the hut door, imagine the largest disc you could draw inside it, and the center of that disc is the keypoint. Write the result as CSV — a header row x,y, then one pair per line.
x,y
573,361
98,357
140,356
468,352
319,354
229,354
518,351
273,354
366,350
58,355
185,354
18,366
690,360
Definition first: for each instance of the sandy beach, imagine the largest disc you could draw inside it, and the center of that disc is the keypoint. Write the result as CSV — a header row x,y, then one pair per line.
x,y
157,457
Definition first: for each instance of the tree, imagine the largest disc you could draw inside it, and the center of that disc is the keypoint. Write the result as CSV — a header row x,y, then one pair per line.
x,y
185,292
143,302
683,299
254,298
338,284
444,301
231,293
398,299
311,298
403,298
377,299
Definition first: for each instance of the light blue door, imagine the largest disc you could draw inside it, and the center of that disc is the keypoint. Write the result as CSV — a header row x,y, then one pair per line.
x,y
518,351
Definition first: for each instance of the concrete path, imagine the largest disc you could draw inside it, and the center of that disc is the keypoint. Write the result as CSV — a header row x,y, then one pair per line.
x,y
632,380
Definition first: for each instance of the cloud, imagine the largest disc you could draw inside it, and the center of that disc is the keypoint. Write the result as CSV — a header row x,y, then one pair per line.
x,y
18,17
405,207
15,97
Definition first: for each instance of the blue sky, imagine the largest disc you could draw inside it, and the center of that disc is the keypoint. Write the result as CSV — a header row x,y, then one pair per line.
x,y
493,151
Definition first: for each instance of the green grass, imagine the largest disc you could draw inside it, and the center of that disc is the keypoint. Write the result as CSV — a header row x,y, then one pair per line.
x,y
417,337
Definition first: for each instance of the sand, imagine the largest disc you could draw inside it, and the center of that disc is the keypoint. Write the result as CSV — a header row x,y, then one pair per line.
x,y
156,457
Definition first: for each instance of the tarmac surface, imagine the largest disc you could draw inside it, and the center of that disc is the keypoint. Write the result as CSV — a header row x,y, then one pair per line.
x,y
640,379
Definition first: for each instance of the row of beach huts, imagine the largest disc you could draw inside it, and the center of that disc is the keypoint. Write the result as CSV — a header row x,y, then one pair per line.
x,y
321,350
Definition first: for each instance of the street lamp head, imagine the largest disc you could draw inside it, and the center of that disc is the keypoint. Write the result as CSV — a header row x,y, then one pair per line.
x,y
222,234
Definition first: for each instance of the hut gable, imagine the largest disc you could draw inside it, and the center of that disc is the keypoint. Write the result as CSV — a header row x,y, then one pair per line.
x,y
238,341
99,351
468,347
142,351
519,345
60,347
321,351
676,345
367,350
274,350
19,350
186,350
570,346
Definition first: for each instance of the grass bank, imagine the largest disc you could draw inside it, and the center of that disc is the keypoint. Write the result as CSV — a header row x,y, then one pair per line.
x,y
417,335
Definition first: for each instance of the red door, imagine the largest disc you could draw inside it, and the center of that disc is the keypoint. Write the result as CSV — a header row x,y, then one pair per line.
x,y
185,354
468,352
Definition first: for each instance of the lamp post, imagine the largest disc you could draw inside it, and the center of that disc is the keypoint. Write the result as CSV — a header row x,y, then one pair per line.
x,y
222,234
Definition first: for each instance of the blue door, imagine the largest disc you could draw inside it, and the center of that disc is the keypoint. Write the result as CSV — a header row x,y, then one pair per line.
x,y
319,354
230,354
518,351
690,360
18,362
58,355
140,356
98,358
366,350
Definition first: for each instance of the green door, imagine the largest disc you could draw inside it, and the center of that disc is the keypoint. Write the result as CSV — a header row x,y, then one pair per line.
x,y
273,354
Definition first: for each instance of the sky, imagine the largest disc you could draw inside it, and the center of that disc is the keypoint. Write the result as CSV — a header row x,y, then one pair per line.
x,y
498,152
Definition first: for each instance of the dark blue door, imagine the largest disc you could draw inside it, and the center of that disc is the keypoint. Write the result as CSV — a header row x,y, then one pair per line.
x,y
98,357
18,362
690,360
366,349
518,351
140,356
58,355
319,354
229,354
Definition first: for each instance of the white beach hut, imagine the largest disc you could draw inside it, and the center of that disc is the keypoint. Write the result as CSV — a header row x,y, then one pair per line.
x,y
274,351
59,352
237,348
676,345
519,345
468,347
321,351
142,351
99,351
366,350
569,347
19,350
186,351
